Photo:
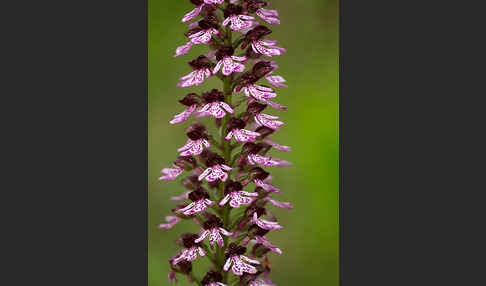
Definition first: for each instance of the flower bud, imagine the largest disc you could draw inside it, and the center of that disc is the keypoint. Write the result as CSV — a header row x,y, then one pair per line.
x,y
248,78
212,222
257,33
232,186
212,158
234,249
213,96
253,208
253,5
262,68
187,162
198,194
235,123
200,62
255,108
197,2
211,277
187,239
196,131
184,267
224,51
189,99
191,182
264,131
258,173
232,9
210,21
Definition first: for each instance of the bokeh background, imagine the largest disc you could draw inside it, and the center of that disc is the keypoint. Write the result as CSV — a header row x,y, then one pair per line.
x,y
310,237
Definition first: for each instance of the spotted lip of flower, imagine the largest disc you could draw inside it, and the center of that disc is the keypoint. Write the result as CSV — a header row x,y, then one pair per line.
x,y
265,224
242,135
270,16
239,22
216,109
267,48
194,147
215,173
201,66
200,202
235,128
266,161
268,120
234,194
214,105
261,93
200,4
229,66
191,101
239,266
234,255
191,251
214,236
171,174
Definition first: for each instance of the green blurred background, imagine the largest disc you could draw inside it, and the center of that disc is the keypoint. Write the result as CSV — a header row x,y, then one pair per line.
x,y
310,237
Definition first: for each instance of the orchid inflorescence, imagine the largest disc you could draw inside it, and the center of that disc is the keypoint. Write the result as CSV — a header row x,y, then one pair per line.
x,y
234,162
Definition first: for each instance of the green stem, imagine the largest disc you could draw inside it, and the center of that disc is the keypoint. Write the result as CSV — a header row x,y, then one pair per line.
x,y
198,281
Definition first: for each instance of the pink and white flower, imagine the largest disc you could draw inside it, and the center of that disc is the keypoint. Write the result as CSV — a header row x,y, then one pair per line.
x,y
171,173
171,221
196,207
194,78
191,15
217,109
242,135
214,236
265,224
215,172
239,22
267,48
268,120
189,254
270,16
267,161
229,66
184,115
237,199
201,37
194,147
239,266
261,93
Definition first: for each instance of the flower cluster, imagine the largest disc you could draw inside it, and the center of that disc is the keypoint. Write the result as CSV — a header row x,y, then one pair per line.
x,y
219,167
